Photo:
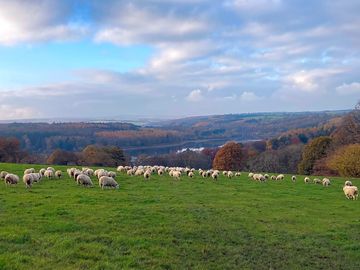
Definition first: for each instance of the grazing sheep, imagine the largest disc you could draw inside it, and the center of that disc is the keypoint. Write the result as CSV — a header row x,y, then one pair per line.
x,y
37,177
307,180
130,172
317,181
58,174
238,174
266,176
51,169
106,181
326,182
49,174
28,180
273,177
3,174
11,179
280,177
160,172
28,171
112,174
224,173
42,171
147,175
191,174
348,183
83,179
251,175
215,175
120,168
293,178
176,175
351,192
230,174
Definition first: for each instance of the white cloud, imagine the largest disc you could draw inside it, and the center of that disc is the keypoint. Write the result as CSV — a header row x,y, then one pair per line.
x,y
349,89
195,96
11,112
249,96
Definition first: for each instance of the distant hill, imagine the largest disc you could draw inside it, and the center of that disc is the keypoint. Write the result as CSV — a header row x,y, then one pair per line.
x,y
162,136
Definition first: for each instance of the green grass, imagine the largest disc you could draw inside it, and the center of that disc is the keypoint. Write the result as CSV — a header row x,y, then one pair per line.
x,y
187,224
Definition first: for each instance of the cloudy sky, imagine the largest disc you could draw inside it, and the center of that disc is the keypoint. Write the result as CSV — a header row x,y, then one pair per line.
x,y
172,58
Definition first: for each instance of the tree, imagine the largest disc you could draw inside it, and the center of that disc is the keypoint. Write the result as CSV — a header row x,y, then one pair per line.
x,y
110,156
346,161
313,151
229,157
61,157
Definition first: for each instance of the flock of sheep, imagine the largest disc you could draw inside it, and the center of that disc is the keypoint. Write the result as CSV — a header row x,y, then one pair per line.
x,y
106,179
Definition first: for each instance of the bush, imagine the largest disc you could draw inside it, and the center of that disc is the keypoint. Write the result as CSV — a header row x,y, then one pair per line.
x,y
346,161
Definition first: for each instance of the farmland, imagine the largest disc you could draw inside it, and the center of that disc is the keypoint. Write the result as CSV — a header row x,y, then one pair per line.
x,y
188,224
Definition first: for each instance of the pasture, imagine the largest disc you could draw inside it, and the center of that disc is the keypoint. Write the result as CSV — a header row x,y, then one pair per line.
x,y
188,224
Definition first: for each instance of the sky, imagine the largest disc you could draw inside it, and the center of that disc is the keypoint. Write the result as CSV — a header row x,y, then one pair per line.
x,y
120,59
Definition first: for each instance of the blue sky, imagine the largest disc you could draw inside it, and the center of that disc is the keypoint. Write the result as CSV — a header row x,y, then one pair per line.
x,y
173,58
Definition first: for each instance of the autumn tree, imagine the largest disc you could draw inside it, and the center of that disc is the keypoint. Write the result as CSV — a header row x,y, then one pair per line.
x,y
61,157
229,157
313,151
110,156
346,161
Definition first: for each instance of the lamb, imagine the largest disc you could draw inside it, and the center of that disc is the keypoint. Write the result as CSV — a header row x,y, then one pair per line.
x,y
280,177
326,182
307,180
28,180
293,178
351,192
11,179
106,181
28,171
348,183
3,174
83,179
58,174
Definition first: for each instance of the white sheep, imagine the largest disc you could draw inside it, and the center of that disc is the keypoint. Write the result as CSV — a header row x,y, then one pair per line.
x,y
11,179
317,181
160,172
307,180
273,177
106,181
176,175
293,178
50,169
49,174
83,179
230,174
280,177
112,174
147,175
251,175
351,192
215,175
58,174
28,171
326,182
42,171
28,180
238,174
191,174
348,183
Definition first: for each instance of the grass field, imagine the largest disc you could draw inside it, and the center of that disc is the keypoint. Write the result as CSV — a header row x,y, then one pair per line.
x,y
187,224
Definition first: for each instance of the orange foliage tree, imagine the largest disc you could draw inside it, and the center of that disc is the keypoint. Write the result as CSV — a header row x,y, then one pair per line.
x,y
346,161
229,157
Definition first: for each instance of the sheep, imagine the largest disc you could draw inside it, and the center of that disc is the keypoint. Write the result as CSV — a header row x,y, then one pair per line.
x,y
106,181
11,179
51,169
102,173
293,178
176,175
83,179
238,174
120,168
28,171
49,174
348,183
42,171
307,180
160,172
230,174
266,176
139,172
37,177
215,175
280,177
317,181
224,173
28,180
191,174
130,172
326,182
147,175
58,174
3,174
112,174
251,175
273,177
351,192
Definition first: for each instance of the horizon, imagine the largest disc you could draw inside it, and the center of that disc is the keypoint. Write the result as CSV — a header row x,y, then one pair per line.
x,y
176,59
